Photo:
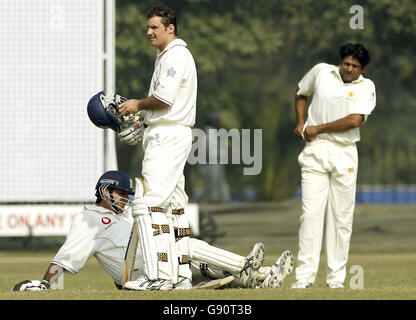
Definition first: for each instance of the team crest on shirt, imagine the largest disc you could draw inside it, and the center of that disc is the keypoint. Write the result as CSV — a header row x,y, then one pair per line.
x,y
106,220
171,72
351,96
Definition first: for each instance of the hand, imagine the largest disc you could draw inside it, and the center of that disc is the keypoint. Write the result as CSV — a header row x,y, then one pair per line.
x,y
128,107
30,285
299,130
139,207
310,132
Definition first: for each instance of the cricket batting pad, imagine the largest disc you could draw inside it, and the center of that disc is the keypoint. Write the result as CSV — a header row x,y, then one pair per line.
x,y
182,234
201,271
147,241
225,260
173,257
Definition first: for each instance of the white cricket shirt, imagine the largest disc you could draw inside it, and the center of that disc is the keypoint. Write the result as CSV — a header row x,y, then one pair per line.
x,y
98,232
174,82
332,99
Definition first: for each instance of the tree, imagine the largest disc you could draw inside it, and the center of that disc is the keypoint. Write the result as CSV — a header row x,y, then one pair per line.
x,y
250,56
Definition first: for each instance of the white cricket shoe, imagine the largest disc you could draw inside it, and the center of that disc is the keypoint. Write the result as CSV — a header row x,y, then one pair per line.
x,y
256,257
249,275
160,285
183,284
250,279
141,284
335,285
301,285
279,271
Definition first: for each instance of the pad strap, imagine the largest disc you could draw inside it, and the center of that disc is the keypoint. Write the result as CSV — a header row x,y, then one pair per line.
x,y
160,228
178,211
162,256
184,259
181,232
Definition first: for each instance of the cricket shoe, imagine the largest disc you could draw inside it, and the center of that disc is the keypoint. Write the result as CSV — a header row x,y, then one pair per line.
x,y
335,285
249,279
301,285
183,284
256,257
279,271
249,275
160,285
141,284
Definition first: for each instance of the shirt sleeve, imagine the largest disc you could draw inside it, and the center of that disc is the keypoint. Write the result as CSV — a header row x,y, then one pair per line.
x,y
172,71
79,245
307,83
366,103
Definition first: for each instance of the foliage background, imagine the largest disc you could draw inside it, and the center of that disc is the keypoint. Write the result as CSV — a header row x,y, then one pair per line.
x,y
250,56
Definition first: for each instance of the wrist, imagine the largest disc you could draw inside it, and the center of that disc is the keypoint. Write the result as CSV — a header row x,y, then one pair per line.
x,y
319,129
46,284
138,105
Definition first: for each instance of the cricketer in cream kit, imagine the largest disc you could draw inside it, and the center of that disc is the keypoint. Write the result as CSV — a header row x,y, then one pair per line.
x,y
333,99
174,82
167,142
329,164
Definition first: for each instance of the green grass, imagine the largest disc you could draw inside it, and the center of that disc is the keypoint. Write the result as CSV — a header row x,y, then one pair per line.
x,y
382,244
386,276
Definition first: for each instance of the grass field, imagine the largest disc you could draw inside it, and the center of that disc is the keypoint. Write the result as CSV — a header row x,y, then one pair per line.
x,y
383,244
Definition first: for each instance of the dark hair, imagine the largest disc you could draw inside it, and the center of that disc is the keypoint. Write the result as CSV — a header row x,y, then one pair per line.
x,y
357,51
167,14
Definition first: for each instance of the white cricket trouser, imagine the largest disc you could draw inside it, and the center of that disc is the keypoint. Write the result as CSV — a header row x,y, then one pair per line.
x,y
166,149
329,174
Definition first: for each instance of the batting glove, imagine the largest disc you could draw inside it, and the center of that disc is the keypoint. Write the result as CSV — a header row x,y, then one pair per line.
x,y
139,208
133,133
31,285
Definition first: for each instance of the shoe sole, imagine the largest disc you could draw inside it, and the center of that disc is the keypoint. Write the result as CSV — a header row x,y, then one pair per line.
x,y
283,269
160,287
143,286
258,255
182,285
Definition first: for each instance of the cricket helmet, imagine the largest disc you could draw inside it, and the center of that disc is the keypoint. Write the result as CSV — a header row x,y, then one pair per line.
x,y
114,179
102,111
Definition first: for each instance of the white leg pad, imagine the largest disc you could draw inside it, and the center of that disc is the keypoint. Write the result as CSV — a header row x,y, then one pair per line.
x,y
182,245
148,246
173,257
201,251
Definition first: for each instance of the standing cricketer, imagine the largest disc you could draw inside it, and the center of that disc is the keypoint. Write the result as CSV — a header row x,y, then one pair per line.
x,y
341,100
169,114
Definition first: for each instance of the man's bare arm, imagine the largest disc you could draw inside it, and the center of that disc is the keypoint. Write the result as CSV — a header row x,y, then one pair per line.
x,y
349,122
300,109
135,105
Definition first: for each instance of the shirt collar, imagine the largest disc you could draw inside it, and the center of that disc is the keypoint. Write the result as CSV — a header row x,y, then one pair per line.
x,y
335,70
174,43
93,207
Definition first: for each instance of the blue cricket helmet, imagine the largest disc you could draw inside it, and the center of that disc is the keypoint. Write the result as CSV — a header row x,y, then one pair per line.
x,y
102,111
115,179
110,181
